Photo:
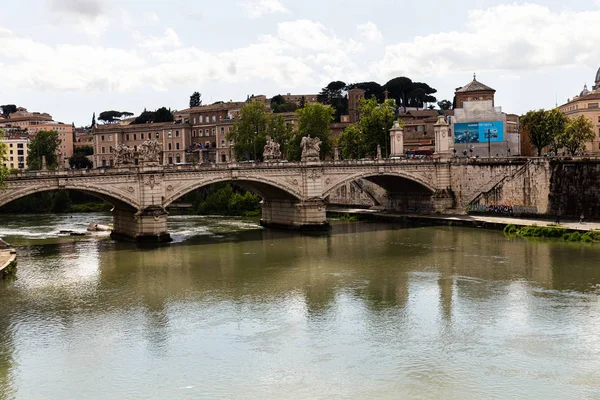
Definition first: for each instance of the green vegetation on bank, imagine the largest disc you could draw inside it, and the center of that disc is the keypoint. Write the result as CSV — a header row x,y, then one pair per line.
x,y
62,201
555,232
224,199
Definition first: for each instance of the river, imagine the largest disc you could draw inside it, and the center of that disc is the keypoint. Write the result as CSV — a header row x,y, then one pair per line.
x,y
232,311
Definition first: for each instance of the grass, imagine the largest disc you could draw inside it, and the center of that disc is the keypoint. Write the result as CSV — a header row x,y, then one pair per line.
x,y
554,232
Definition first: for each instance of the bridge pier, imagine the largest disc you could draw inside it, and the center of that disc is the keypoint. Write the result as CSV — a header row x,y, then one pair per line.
x,y
147,225
300,215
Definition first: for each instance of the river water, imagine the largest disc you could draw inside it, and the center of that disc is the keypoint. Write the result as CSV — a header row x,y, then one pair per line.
x,y
232,311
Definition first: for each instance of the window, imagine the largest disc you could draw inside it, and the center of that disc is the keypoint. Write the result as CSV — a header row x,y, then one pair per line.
x,y
170,160
214,131
222,143
193,133
103,149
141,136
214,118
592,105
176,133
194,120
200,119
206,132
127,137
170,134
134,136
157,135
177,146
110,138
102,138
222,130
178,159
169,145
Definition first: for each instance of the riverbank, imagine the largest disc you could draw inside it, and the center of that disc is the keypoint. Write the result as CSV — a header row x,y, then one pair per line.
x,y
477,221
7,256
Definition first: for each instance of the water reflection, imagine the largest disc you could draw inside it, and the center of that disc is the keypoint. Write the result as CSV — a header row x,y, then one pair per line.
x,y
370,310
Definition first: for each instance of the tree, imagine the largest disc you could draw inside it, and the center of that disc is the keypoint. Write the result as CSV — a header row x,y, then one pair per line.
x,y
371,89
577,133
93,120
444,105
79,160
3,169
410,94
280,105
280,132
314,120
351,143
556,122
534,125
45,143
110,117
196,99
335,95
375,122
8,109
86,150
249,131
163,115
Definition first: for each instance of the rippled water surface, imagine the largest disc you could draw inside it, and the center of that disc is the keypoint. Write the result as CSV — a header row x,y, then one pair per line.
x,y
370,311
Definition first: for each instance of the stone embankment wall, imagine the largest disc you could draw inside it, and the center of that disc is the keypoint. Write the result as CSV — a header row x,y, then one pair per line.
x,y
545,187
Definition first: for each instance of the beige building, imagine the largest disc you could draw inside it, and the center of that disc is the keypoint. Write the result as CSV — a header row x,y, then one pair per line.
x,y
16,151
175,138
588,104
31,123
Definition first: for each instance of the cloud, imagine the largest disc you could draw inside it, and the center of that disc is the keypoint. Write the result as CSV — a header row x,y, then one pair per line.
x,y
370,31
505,37
169,40
85,8
151,16
258,8
87,16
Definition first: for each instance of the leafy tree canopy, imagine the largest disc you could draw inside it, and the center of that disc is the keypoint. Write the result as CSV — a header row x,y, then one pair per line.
x,y
578,131
112,116
250,131
7,109
161,115
410,94
45,143
314,120
3,169
534,125
444,105
280,105
280,132
196,99
79,160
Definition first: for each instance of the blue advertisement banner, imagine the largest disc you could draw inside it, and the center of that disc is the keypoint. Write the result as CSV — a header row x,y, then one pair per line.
x,y
478,132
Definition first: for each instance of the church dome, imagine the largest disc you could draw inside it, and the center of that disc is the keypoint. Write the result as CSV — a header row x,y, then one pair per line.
x,y
585,91
598,77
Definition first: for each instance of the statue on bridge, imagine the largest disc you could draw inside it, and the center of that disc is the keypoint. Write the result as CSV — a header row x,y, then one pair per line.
x,y
123,154
272,151
150,151
311,148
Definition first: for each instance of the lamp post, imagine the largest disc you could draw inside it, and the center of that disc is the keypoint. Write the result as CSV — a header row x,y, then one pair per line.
x,y
489,135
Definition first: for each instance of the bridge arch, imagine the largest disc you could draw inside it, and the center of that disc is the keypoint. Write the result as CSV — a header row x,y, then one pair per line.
x,y
115,197
266,188
387,180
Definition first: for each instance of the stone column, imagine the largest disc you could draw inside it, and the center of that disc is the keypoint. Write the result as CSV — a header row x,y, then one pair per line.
x,y
441,130
397,140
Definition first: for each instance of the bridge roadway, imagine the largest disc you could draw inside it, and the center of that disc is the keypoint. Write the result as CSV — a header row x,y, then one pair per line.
x,y
294,194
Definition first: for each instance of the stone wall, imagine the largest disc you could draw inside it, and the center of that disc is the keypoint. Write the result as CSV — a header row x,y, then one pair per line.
x,y
575,188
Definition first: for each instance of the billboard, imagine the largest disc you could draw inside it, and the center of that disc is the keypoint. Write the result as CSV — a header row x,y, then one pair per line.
x,y
478,132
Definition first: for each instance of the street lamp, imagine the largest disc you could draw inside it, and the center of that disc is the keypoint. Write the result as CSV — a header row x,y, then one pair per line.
x,y
489,135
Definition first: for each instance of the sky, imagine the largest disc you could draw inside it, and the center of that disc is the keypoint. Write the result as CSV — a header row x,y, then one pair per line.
x,y
71,58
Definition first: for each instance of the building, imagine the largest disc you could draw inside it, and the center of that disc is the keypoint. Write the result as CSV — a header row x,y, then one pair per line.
x,y
31,123
479,127
418,128
175,138
17,147
587,104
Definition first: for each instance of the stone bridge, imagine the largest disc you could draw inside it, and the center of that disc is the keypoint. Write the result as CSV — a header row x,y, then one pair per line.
x,y
293,194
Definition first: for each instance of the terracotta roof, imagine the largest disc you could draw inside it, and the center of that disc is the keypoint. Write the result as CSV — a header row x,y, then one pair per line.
x,y
214,107
475,86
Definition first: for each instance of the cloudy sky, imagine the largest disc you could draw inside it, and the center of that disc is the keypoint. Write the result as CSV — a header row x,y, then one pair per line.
x,y
73,57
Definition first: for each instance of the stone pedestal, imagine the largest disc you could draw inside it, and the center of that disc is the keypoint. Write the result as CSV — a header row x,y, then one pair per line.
x,y
396,140
147,225
305,215
441,131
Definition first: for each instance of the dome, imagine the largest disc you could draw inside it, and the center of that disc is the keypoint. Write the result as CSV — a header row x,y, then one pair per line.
x,y
584,92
